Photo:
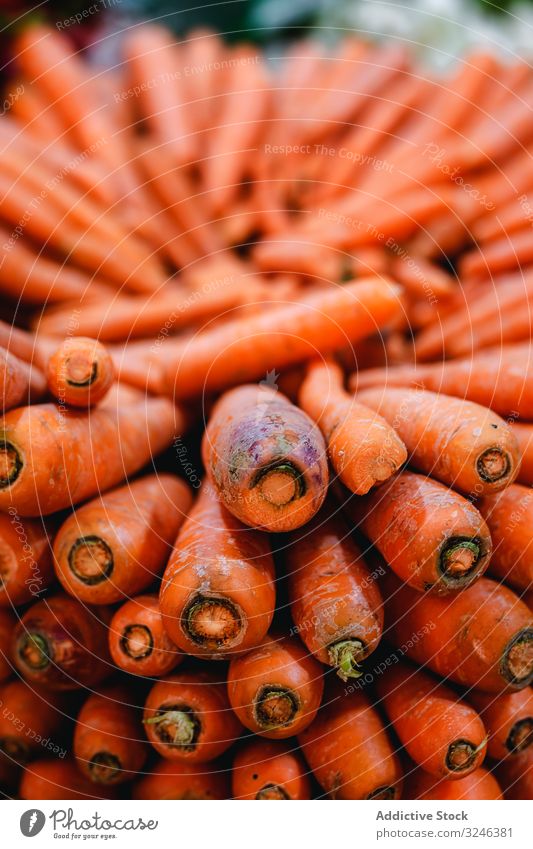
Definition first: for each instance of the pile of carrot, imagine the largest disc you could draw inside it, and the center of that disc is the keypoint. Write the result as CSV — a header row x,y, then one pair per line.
x,y
266,449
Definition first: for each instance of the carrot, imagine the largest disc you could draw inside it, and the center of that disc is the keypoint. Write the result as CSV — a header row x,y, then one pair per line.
x,y
185,781
152,57
18,382
510,251
188,718
58,779
25,559
422,279
458,442
18,342
268,769
319,262
217,593
62,645
138,641
443,735
335,602
500,378
349,752
431,537
278,338
515,775
276,688
508,719
524,436
109,744
30,720
118,544
480,784
481,637
362,447
265,458
509,515
84,454
7,624
80,372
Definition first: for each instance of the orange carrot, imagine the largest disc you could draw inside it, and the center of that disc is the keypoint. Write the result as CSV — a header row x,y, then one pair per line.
x,y
118,544
29,721
188,718
109,744
276,688
431,537
7,624
481,637
524,436
277,338
267,769
443,735
508,719
58,779
515,775
363,448
458,442
335,603
265,458
349,752
25,559
85,453
138,641
62,645
509,515
80,372
186,781
18,381
510,251
480,784
217,593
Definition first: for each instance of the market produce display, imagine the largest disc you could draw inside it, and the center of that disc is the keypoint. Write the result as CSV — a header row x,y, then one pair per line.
x,y
266,446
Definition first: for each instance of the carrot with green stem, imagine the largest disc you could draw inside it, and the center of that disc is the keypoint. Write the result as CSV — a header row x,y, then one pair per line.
x,y
62,645
431,537
59,779
267,769
138,641
184,781
217,593
277,338
335,602
25,558
19,382
80,372
276,688
266,458
85,453
7,624
28,717
478,785
500,378
441,733
349,751
460,443
508,719
109,744
509,515
188,718
118,544
362,447
481,637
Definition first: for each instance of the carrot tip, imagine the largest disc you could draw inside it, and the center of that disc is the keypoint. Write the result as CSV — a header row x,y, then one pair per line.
x,y
345,656
275,707
461,755
521,735
493,465
104,767
459,560
91,560
271,791
10,464
34,650
212,621
280,484
517,662
176,726
137,641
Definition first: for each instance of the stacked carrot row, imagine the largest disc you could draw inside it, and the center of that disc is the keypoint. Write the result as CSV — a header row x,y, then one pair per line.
x,y
266,452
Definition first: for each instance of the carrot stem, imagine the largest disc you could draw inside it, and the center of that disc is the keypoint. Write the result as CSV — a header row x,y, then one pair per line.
x,y
281,484
91,560
271,791
104,767
345,655
517,661
275,707
462,754
493,464
212,621
176,726
34,650
137,641
383,793
520,735
10,464
459,557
